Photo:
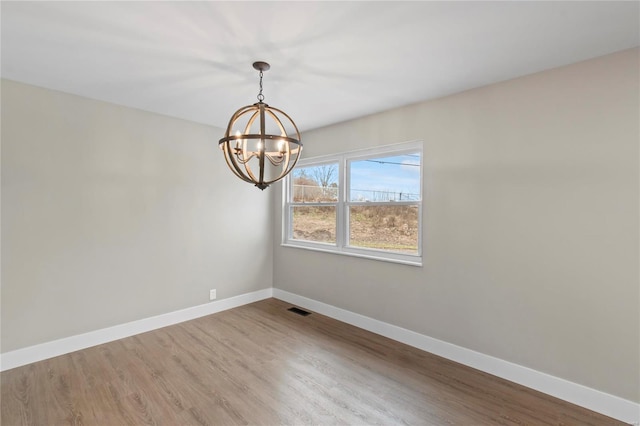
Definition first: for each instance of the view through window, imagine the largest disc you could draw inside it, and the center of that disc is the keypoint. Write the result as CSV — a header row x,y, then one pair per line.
x,y
366,203
315,195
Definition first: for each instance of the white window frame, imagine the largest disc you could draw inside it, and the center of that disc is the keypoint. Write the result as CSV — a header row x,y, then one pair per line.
x,y
342,205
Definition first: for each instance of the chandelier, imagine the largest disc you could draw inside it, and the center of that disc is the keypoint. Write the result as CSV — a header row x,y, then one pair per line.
x,y
262,143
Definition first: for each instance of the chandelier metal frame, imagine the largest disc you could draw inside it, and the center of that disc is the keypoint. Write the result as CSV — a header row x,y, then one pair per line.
x,y
243,149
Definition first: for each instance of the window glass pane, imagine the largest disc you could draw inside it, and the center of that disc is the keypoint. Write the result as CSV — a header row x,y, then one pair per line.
x,y
387,227
392,178
315,184
314,223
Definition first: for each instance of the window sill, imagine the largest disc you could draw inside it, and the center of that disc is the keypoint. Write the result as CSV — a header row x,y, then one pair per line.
x,y
358,253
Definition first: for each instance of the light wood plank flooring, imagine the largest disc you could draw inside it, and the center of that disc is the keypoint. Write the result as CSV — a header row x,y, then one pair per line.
x,y
260,364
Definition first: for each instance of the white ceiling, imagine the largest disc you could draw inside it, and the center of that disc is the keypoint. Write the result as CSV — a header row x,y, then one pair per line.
x,y
330,61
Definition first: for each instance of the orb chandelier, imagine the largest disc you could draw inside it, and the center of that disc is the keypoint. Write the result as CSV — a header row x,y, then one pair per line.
x,y
261,144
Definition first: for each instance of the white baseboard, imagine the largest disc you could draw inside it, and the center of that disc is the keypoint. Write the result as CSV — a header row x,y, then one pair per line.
x,y
609,405
54,348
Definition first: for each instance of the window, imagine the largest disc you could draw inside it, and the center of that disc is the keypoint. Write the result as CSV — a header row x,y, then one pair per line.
x,y
363,203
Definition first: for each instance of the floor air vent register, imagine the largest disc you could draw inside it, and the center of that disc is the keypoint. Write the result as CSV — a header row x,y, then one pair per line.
x,y
299,311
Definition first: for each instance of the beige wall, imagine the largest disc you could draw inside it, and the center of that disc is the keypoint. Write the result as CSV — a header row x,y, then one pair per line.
x,y
531,224
111,214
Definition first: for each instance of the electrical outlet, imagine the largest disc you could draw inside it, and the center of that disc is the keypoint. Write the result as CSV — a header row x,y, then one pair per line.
x,y
212,294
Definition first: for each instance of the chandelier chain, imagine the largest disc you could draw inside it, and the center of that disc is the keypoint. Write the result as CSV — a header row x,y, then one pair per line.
x,y
260,95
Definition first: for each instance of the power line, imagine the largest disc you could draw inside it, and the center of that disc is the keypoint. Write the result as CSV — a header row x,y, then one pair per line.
x,y
391,162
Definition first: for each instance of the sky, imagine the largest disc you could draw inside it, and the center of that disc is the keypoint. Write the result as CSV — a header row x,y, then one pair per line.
x,y
396,174
380,179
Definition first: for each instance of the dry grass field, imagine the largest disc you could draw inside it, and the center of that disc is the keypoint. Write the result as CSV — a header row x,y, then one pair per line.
x,y
388,227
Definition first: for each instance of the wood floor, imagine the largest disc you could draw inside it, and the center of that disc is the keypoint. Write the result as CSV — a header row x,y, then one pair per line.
x,y
261,364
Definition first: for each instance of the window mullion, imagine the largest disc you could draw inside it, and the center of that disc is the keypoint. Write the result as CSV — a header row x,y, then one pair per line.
x,y
341,226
